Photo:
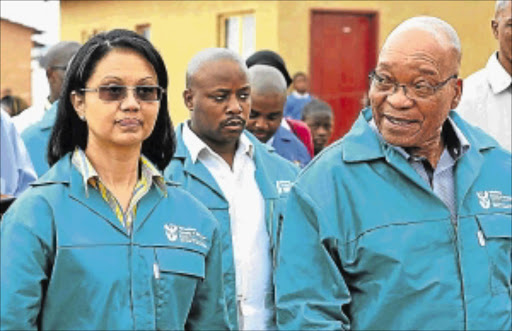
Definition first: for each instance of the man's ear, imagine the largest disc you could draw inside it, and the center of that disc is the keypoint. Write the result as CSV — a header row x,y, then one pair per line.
x,y
458,93
78,102
494,27
188,97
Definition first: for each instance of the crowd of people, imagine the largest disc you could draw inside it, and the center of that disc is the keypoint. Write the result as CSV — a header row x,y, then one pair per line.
x,y
243,217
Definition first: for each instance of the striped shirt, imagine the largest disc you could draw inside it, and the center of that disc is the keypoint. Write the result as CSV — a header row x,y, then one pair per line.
x,y
149,174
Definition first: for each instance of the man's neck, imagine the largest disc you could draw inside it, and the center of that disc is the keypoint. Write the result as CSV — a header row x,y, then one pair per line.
x,y
431,151
225,150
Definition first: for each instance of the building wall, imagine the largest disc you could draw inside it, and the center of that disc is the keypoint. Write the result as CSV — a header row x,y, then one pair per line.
x,y
15,47
179,29
471,20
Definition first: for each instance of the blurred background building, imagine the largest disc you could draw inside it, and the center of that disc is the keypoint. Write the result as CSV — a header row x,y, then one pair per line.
x,y
334,42
16,46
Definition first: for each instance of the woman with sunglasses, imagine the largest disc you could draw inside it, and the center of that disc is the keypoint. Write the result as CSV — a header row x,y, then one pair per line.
x,y
102,241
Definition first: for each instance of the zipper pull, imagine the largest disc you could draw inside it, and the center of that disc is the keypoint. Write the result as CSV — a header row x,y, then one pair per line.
x,y
156,270
481,238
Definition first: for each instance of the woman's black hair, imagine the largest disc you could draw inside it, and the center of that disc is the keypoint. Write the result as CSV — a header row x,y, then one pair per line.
x,y
69,131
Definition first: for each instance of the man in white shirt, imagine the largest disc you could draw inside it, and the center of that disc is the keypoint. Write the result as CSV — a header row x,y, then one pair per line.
x,y
241,181
55,62
487,94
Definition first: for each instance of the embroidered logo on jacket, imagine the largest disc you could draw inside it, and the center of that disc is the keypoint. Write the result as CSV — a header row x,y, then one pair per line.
x,y
496,199
185,235
283,186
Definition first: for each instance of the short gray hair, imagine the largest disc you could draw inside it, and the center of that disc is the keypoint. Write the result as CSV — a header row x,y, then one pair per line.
x,y
212,55
500,5
266,79
59,54
434,26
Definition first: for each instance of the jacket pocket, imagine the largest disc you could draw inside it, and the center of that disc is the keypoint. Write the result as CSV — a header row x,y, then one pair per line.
x,y
180,261
495,234
177,272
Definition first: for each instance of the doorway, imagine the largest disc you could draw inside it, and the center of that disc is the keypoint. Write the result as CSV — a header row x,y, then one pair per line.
x,y
343,51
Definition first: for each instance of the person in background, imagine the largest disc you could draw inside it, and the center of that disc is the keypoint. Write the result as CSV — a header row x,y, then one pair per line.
x,y
298,98
13,105
54,62
37,135
102,241
16,170
297,127
242,181
487,95
405,223
268,95
317,114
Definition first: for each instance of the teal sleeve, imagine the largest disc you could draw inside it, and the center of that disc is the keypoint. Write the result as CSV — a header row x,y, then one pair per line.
x,y
311,293
209,310
25,264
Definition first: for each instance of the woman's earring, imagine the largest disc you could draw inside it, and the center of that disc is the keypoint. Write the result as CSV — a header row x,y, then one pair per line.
x,y
82,117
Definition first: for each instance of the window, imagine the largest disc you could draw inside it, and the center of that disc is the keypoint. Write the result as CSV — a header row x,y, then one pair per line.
x,y
88,34
238,33
144,30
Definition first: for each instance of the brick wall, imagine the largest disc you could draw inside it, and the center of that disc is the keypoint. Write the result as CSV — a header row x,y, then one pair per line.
x,y
15,47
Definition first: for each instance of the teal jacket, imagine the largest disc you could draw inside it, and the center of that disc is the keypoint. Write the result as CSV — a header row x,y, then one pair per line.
x,y
273,175
67,262
366,244
36,138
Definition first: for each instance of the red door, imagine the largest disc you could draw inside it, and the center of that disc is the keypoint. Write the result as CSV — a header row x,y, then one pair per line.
x,y
343,52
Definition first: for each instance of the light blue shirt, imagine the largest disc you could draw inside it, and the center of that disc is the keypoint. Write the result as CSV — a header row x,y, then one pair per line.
x,y
16,171
441,179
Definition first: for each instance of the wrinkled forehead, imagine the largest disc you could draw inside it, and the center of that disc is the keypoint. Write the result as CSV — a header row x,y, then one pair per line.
x,y
417,49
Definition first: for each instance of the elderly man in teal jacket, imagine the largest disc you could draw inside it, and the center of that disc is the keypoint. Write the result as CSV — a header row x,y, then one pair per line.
x,y
241,181
405,223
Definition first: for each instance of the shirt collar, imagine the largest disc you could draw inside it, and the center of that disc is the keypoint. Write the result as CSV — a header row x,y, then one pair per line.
x,y
196,146
455,141
90,176
285,124
300,96
498,77
47,104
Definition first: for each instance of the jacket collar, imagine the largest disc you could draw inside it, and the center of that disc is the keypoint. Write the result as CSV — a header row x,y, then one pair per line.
x,y
49,117
199,171
362,144
63,172
282,134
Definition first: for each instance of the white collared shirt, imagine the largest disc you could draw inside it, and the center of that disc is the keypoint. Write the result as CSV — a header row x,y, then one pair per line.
x,y
487,101
251,242
300,96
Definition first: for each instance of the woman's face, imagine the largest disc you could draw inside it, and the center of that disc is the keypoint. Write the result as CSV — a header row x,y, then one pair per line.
x,y
125,122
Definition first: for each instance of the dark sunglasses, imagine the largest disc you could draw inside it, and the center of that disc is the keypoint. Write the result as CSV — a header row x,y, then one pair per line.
x,y
146,93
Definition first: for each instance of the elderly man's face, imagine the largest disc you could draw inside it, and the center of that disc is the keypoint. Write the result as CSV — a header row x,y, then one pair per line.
x,y
502,29
412,58
219,99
